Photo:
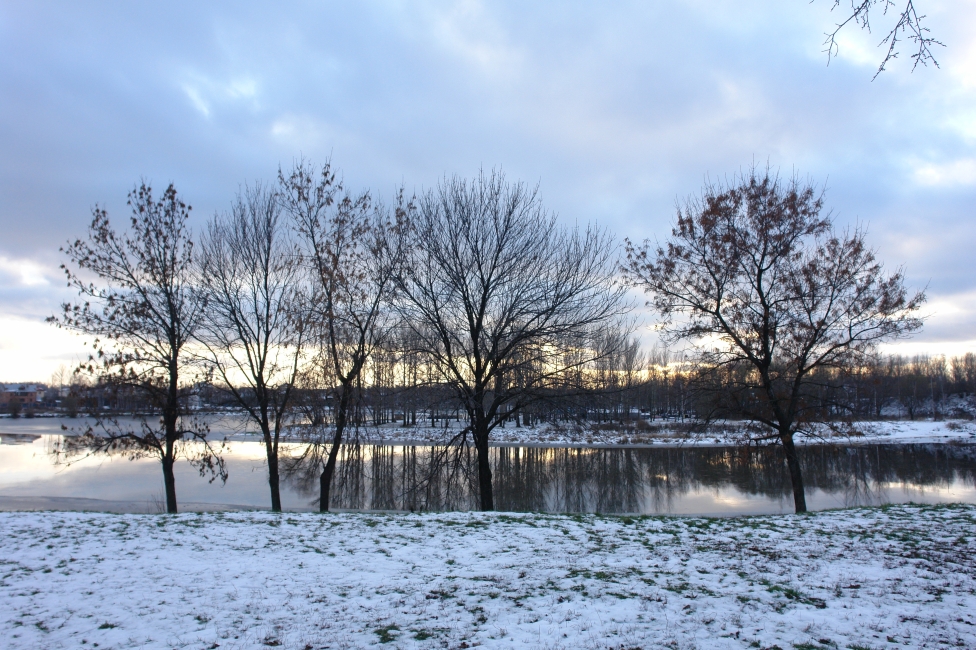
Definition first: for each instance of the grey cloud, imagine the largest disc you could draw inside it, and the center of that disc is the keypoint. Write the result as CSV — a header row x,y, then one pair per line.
x,y
617,110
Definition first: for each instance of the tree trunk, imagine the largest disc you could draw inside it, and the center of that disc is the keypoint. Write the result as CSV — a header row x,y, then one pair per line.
x,y
170,416
273,480
325,479
484,468
796,476
169,481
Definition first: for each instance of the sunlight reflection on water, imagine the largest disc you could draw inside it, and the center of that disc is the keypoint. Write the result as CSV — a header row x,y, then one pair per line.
x,y
687,481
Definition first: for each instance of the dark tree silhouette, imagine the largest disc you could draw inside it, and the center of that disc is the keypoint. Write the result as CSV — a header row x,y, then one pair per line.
x,y
253,333
142,310
501,300
756,275
354,249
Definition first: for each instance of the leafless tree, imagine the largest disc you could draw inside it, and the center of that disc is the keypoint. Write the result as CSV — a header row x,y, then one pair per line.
x,y
354,249
756,274
908,25
142,310
253,335
58,378
492,285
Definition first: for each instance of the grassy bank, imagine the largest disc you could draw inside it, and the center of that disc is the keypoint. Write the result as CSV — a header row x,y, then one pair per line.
x,y
860,578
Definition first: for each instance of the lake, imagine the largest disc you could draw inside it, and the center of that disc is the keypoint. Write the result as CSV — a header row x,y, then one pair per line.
x,y
683,480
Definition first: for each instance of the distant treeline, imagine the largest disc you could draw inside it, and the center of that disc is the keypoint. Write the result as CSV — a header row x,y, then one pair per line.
x,y
634,385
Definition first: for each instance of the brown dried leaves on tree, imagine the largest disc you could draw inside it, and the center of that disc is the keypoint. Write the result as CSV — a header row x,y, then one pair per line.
x,y
773,296
354,249
142,309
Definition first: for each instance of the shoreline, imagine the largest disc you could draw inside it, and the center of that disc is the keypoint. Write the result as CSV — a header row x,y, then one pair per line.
x,y
546,436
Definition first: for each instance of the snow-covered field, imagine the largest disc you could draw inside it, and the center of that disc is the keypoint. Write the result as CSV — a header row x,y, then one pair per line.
x,y
860,578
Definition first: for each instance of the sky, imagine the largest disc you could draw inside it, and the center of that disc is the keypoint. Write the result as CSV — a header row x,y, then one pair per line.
x,y
617,110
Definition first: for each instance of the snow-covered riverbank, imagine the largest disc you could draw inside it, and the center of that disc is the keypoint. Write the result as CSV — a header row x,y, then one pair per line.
x,y
861,578
643,433
678,434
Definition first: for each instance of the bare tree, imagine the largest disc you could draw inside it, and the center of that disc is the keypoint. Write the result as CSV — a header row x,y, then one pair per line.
x,y
142,311
908,25
253,335
492,286
757,276
58,378
354,249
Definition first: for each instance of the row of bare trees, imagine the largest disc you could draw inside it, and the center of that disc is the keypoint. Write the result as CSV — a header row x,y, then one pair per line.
x,y
910,387
300,283
472,301
620,389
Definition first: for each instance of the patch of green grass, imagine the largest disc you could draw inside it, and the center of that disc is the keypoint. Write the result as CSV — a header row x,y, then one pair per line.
x,y
793,594
822,644
508,519
448,522
386,633
479,615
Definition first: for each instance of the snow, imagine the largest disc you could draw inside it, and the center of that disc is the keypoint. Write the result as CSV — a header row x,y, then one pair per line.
x,y
671,434
917,431
656,433
858,578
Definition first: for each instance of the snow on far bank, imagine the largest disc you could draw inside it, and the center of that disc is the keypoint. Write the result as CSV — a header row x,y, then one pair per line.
x,y
860,578
640,433
672,434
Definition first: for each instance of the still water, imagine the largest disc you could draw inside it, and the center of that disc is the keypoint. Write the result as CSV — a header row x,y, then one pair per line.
x,y
708,480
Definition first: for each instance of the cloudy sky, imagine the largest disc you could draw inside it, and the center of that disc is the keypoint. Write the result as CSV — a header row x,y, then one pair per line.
x,y
617,110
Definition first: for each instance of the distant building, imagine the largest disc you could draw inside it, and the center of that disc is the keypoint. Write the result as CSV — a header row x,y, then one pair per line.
x,y
27,394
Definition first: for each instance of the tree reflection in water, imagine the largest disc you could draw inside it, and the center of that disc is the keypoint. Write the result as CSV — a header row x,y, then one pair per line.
x,y
630,480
